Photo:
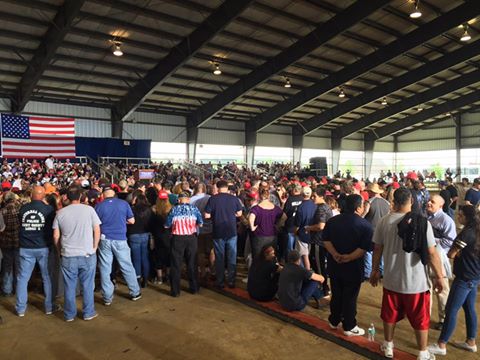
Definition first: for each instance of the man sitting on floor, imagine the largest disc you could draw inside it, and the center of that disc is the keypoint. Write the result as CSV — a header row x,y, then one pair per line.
x,y
297,284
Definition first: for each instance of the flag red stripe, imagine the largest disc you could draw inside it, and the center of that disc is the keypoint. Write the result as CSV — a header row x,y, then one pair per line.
x,y
53,138
46,152
47,126
47,132
50,119
40,145
43,156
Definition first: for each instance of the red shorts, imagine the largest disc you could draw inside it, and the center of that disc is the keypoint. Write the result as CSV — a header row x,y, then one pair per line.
x,y
416,306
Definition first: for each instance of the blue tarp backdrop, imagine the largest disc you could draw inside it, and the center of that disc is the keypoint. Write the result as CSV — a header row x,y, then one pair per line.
x,y
95,147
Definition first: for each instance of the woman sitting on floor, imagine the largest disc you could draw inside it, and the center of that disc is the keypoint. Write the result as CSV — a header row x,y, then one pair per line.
x,y
263,275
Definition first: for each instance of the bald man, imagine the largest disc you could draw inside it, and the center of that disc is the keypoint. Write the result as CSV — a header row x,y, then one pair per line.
x,y
445,232
115,214
36,219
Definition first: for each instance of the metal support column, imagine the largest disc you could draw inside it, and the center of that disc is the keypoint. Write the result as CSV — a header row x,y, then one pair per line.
x,y
117,129
395,152
192,137
458,145
297,144
368,146
336,144
250,143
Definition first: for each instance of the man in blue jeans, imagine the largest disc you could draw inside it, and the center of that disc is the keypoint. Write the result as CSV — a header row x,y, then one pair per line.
x,y
115,214
35,239
297,285
76,233
224,209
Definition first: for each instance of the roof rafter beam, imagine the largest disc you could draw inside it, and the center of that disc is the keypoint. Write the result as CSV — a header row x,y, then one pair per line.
x,y
215,23
421,98
46,51
322,34
412,77
396,48
433,67
411,120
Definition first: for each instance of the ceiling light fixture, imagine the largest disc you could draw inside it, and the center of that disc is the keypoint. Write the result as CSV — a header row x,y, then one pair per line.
x,y
466,36
415,14
341,94
384,101
287,84
117,48
217,70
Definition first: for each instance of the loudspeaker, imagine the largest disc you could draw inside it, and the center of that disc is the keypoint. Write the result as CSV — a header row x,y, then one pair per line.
x,y
319,165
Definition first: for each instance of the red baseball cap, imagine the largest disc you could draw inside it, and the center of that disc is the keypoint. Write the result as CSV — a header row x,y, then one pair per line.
x,y
253,195
162,195
6,185
412,175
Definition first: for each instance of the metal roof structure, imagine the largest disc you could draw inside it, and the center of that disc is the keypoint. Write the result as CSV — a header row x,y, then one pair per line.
x,y
371,50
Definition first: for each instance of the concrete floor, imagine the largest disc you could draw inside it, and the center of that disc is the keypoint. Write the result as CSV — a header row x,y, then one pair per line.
x,y
203,326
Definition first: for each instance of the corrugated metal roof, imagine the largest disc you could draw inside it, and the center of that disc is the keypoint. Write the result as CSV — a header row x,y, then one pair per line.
x,y
84,69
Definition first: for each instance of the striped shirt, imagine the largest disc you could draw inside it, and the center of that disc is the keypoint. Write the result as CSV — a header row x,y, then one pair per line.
x,y
183,219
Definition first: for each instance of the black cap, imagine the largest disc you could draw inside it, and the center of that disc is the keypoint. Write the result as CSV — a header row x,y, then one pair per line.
x,y
184,194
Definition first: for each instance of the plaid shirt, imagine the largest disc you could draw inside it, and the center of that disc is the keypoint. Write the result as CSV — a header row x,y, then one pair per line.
x,y
9,238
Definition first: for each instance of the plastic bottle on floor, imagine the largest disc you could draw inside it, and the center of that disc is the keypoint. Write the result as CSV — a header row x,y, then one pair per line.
x,y
371,332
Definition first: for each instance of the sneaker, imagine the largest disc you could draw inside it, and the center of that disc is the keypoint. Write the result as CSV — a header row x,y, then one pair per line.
x,y
88,318
107,303
157,281
69,320
463,345
20,314
387,349
55,309
333,327
437,350
425,355
136,297
356,331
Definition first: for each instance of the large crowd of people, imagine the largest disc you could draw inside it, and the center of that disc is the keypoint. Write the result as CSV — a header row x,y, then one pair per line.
x,y
303,237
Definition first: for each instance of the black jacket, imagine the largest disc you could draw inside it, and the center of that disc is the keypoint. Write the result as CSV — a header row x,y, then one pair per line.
x,y
413,230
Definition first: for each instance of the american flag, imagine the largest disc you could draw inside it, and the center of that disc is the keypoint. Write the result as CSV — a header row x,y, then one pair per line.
x,y
37,137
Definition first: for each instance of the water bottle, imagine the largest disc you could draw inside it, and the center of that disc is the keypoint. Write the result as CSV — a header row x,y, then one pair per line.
x,y
371,332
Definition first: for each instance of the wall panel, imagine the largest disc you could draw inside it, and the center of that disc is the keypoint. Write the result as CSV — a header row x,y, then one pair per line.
x,y
93,128
264,139
163,119
313,142
426,145
429,133
4,105
352,145
160,133
383,146
76,111
220,137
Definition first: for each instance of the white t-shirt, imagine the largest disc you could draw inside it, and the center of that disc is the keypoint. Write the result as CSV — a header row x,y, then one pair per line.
x,y
402,272
49,163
